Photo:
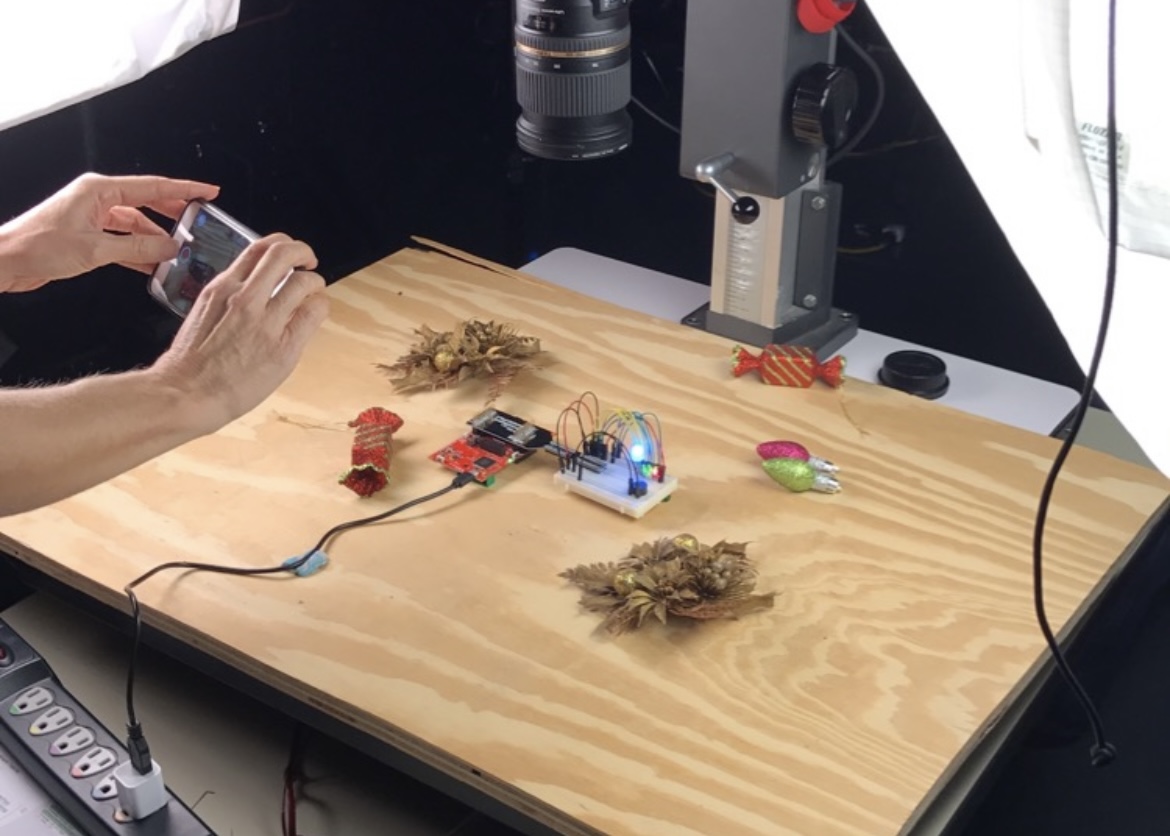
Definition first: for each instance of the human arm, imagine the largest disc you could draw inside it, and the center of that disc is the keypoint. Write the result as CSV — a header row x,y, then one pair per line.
x,y
93,221
236,346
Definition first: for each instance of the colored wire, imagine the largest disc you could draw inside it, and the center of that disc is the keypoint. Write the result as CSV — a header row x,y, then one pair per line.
x,y
562,433
637,426
595,411
622,430
655,429
580,448
576,406
1102,751
621,423
586,427
293,775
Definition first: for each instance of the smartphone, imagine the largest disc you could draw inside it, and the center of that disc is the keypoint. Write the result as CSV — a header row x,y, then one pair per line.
x,y
209,241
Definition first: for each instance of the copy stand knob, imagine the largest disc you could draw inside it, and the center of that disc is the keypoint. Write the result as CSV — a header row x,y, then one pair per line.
x,y
822,105
745,210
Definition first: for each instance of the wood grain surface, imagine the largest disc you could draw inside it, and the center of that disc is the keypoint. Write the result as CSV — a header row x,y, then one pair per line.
x,y
903,617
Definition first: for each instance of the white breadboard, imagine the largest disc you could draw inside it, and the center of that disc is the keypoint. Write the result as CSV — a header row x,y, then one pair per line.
x,y
610,488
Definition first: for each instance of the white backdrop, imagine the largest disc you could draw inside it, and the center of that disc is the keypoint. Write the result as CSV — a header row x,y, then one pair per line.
x,y
1018,86
57,52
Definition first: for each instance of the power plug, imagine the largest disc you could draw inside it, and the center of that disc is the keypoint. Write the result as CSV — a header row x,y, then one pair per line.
x,y
140,795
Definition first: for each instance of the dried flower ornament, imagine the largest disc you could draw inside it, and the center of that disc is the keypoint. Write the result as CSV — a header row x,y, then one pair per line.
x,y
475,349
674,576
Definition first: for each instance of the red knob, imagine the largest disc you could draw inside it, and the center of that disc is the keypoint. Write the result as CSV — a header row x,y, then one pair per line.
x,y
819,16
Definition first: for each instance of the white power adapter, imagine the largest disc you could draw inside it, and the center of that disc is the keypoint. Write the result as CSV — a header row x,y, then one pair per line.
x,y
140,795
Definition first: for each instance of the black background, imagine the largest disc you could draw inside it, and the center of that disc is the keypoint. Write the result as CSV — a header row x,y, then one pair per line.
x,y
356,125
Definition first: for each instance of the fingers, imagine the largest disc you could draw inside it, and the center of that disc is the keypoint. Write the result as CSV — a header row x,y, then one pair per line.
x,y
125,219
133,249
248,261
169,208
281,255
213,300
162,194
258,271
305,320
300,286
129,219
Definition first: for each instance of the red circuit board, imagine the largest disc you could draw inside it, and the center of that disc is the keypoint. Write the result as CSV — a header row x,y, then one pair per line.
x,y
463,456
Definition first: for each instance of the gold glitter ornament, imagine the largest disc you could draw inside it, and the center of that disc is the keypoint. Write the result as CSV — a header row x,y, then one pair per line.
x,y
444,360
625,581
687,541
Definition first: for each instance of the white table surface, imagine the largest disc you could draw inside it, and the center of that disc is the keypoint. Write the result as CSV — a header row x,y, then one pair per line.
x,y
998,394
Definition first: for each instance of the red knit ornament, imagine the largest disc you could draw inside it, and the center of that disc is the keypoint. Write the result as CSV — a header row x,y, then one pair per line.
x,y
371,451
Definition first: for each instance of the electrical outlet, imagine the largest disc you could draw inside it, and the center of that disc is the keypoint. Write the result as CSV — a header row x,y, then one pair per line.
x,y
72,741
69,753
34,699
56,718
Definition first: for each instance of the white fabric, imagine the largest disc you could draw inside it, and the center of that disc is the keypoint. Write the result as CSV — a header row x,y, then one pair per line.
x,y
1018,85
57,52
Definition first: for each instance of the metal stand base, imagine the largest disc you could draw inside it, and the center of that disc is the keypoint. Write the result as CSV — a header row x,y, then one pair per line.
x,y
826,339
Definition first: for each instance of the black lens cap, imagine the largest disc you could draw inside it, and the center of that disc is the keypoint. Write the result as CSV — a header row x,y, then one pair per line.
x,y
915,372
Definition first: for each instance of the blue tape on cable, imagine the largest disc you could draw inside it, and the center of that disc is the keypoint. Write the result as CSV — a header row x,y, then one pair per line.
x,y
317,561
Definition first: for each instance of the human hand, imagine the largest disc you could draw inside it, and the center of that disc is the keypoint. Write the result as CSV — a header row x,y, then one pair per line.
x,y
239,342
93,221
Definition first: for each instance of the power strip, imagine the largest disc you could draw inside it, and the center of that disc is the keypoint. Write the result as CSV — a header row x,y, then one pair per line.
x,y
68,752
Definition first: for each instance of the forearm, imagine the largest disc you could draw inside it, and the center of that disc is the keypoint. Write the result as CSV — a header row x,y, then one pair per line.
x,y
56,441
8,250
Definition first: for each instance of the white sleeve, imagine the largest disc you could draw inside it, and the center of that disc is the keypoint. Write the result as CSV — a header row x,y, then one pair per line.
x,y
54,53
1018,85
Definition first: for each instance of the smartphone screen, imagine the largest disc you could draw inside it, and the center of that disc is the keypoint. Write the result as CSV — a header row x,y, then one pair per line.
x,y
209,241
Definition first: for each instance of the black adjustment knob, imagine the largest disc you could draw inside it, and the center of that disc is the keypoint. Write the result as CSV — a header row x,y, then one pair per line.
x,y
915,372
745,210
822,105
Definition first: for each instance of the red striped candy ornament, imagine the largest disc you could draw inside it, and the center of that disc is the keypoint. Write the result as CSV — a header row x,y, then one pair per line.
x,y
788,365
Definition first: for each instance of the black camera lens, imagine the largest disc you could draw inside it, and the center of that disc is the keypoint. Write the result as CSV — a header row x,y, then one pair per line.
x,y
573,77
